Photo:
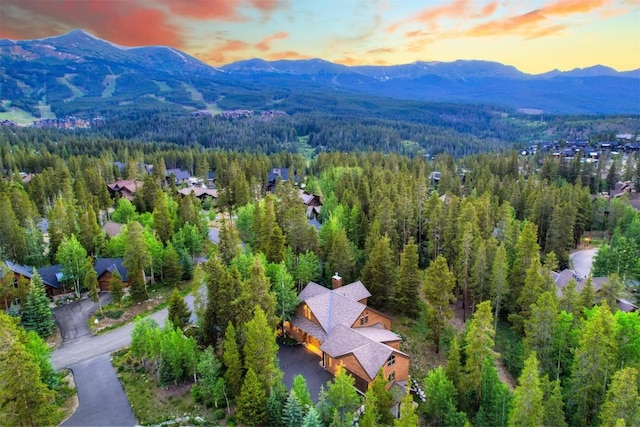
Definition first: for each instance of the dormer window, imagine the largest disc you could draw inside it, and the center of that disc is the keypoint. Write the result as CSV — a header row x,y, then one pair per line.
x,y
364,320
391,360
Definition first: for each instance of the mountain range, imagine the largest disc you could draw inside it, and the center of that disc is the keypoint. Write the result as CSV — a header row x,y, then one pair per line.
x,y
77,73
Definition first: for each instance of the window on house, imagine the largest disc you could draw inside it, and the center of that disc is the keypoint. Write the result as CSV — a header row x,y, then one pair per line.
x,y
391,360
392,376
364,319
307,312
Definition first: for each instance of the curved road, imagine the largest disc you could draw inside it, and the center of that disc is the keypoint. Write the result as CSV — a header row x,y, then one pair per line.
x,y
582,261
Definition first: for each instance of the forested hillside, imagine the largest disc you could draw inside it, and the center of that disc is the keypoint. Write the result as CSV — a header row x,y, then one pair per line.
x,y
473,234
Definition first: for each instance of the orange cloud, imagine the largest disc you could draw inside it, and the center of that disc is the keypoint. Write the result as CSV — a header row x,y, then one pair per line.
x,y
570,7
533,24
381,50
129,24
489,9
348,60
204,9
290,54
458,8
219,54
411,34
265,44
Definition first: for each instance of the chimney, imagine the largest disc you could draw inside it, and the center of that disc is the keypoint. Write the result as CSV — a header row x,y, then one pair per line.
x,y
336,281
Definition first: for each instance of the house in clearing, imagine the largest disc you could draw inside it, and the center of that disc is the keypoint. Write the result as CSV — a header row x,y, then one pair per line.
x,y
337,325
312,203
200,192
124,188
562,280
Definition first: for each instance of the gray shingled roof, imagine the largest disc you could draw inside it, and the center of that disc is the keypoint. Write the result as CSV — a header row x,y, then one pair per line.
x,y
355,291
23,270
378,333
309,327
371,354
311,290
331,309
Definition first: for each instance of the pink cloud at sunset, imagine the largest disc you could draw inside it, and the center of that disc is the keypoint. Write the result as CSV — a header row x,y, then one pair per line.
x,y
351,32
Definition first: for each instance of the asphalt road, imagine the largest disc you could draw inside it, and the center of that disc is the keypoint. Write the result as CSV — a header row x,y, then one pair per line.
x,y
72,318
296,360
78,351
102,401
582,261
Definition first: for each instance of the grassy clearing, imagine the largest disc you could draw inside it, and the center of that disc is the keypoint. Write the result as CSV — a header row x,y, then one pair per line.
x,y
304,148
153,404
66,398
17,115
110,85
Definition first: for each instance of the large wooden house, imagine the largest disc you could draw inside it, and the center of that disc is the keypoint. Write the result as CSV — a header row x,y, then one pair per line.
x,y
337,325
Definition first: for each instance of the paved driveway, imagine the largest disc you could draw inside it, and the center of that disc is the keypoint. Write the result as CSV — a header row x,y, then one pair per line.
x,y
72,318
296,360
102,400
582,261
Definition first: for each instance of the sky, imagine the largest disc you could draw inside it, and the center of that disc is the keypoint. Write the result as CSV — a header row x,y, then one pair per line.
x,y
535,36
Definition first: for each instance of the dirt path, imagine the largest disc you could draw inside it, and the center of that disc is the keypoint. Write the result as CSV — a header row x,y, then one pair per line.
x,y
459,326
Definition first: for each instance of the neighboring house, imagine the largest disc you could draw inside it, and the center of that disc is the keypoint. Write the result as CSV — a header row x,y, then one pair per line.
x,y
124,188
105,267
276,174
312,202
180,176
112,228
53,279
562,279
337,325
200,193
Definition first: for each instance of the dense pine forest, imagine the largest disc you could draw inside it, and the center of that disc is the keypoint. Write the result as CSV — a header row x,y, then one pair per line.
x,y
457,234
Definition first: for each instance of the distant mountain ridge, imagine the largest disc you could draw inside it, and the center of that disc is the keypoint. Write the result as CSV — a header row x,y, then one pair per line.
x,y
78,73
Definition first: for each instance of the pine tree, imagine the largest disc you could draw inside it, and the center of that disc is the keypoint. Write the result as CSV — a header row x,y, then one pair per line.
x,y
499,282
36,314
454,366
379,273
410,278
275,406
593,363
292,414
531,290
622,400
527,250
383,398
136,259
162,221
222,291
587,294
528,408
116,287
25,400
342,399
441,397
229,245
341,257
171,268
312,419
570,300
541,329
90,282
252,401
438,290
232,360
299,387
408,416
371,416
261,349
553,404
494,399
611,290
479,343
179,312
